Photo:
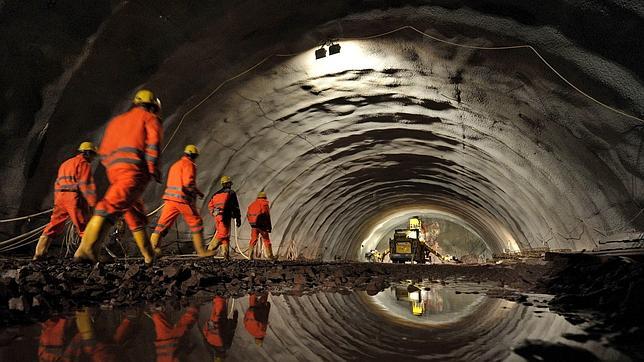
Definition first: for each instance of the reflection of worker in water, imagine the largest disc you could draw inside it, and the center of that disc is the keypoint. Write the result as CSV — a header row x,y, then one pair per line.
x,y
256,317
169,337
219,330
102,350
52,341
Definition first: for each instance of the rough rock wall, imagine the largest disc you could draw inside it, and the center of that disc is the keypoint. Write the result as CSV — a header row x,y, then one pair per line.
x,y
492,137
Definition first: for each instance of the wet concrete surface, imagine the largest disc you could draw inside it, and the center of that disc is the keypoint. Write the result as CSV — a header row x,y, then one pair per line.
x,y
457,322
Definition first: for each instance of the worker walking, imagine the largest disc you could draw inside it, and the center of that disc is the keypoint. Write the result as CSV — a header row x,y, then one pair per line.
x,y
169,337
259,218
74,195
224,206
179,198
256,317
130,152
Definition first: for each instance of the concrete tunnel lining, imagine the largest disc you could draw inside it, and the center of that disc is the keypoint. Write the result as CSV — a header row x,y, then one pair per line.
x,y
491,137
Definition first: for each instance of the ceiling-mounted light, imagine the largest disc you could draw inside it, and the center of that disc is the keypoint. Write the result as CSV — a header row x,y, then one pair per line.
x,y
334,49
320,53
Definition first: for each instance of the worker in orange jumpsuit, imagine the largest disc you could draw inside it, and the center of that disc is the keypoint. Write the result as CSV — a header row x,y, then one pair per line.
x,y
219,330
256,317
130,152
51,344
259,218
168,337
179,198
99,350
224,206
74,195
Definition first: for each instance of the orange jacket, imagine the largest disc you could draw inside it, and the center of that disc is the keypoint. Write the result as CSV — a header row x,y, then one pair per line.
x,y
224,202
75,175
256,317
259,214
182,184
132,141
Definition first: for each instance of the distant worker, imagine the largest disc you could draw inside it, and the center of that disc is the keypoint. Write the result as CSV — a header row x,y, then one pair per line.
x,y
74,195
130,152
224,206
256,317
219,330
259,218
169,338
179,198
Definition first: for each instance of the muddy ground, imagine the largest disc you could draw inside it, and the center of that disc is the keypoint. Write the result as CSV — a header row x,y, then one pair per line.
x,y
608,292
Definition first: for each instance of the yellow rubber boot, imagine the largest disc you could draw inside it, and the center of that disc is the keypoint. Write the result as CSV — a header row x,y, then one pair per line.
x,y
197,241
226,250
91,239
41,247
214,244
141,239
155,240
269,252
84,325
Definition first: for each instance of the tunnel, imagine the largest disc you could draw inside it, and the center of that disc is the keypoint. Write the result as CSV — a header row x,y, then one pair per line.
x,y
520,122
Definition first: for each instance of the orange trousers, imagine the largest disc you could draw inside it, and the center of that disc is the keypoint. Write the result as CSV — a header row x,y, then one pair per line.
x,y
123,197
171,210
168,336
67,205
255,233
223,229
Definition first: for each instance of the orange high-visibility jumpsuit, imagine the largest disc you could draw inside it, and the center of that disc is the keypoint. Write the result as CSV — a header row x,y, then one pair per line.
x,y
130,153
256,317
51,344
74,193
219,331
179,197
168,336
224,206
259,218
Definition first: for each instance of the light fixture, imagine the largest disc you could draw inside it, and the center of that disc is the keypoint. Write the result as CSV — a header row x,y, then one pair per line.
x,y
334,48
320,53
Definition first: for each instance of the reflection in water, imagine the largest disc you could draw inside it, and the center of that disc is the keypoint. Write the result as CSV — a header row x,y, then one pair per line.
x,y
430,322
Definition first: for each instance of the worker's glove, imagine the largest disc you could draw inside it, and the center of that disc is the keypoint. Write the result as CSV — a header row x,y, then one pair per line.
x,y
238,222
269,230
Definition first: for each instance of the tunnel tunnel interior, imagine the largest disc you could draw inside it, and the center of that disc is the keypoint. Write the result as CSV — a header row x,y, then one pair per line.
x,y
396,122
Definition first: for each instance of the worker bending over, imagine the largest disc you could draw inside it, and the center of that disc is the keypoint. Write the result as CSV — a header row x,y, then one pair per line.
x,y
130,152
74,195
259,218
179,198
224,206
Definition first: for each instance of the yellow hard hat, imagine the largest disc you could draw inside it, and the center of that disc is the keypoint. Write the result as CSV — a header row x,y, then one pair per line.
x,y
145,96
225,180
261,195
191,150
87,146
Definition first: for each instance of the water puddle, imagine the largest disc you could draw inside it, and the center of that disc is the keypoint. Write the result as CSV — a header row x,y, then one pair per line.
x,y
426,321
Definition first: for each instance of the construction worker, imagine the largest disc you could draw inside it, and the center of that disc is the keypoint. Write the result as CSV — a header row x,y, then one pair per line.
x,y
169,337
219,330
224,206
74,195
130,152
256,317
52,342
106,348
259,218
179,198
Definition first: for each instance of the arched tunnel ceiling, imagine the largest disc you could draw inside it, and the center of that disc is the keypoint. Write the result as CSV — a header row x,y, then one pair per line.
x,y
393,123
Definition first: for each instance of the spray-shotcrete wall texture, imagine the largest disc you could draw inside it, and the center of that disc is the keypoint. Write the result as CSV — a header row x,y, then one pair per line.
x,y
394,123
